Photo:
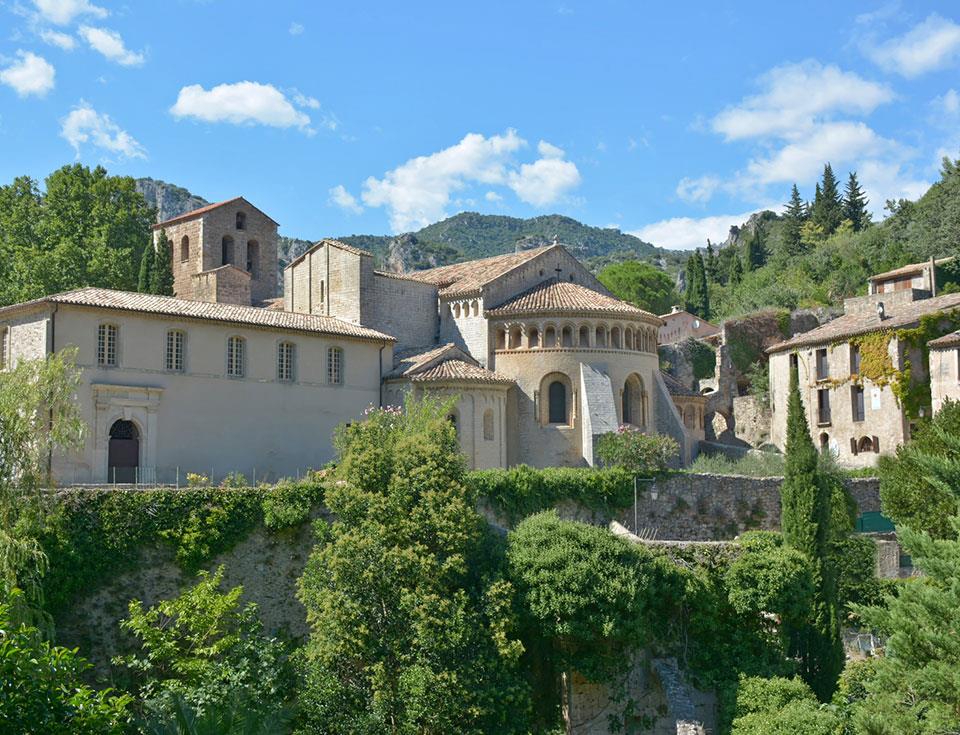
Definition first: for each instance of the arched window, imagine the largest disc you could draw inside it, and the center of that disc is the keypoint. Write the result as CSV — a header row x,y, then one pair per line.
x,y
488,425
286,353
689,420
184,249
173,355
335,366
550,337
533,337
123,452
456,311
824,441
566,337
226,250
584,336
865,444
633,407
107,339
628,338
474,308
253,259
601,339
241,221
501,338
236,346
516,338
615,338
557,397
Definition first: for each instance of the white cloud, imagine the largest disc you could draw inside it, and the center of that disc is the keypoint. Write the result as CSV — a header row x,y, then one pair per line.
x,y
295,29
345,200
883,180
795,96
492,196
62,12
685,233
932,44
544,181
302,100
697,190
110,44
948,103
241,103
802,160
31,74
86,125
62,40
419,191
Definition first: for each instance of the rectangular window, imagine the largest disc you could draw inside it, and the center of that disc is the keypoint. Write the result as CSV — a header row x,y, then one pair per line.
x,y
823,366
823,406
856,401
794,361
107,345
335,366
854,359
4,347
174,352
235,357
285,353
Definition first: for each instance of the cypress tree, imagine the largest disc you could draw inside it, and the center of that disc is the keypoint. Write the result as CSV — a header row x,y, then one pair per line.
x,y
793,219
736,271
713,275
755,251
855,204
145,278
161,276
828,206
697,297
805,521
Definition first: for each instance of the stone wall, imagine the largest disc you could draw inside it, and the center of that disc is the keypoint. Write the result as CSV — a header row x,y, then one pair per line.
x,y
751,420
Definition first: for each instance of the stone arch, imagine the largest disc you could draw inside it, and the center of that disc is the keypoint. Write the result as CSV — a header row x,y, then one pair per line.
x,y
533,337
501,339
824,441
566,336
184,249
628,338
241,221
475,308
601,336
865,444
253,258
616,337
123,451
584,340
556,402
516,337
549,336
456,311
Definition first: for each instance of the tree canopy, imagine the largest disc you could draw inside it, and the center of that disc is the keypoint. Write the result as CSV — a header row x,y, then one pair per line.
x,y
641,284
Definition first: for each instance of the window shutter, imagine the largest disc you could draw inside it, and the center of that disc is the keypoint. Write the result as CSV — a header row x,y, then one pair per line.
x,y
876,445
853,445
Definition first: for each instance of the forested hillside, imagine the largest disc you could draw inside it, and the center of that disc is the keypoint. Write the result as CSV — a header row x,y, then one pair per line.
x,y
822,251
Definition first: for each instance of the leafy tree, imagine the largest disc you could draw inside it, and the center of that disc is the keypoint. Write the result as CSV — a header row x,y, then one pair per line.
x,y
805,519
779,706
38,415
85,229
793,219
697,296
641,284
202,652
855,204
639,453
914,689
412,622
920,486
42,691
161,273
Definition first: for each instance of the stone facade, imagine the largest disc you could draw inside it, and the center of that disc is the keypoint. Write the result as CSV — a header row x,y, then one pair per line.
x,y
229,233
680,325
944,370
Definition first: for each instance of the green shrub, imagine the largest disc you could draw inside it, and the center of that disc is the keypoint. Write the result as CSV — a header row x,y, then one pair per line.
x,y
753,464
42,691
642,454
522,490
288,503
779,706
770,578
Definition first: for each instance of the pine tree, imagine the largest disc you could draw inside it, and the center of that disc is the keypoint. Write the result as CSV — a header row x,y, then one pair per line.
x,y
805,521
828,206
161,274
855,204
697,297
145,279
793,219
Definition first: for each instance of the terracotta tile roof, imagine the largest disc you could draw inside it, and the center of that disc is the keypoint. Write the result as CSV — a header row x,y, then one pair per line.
x,y
676,388
907,269
334,243
562,297
208,208
400,277
443,363
851,325
104,298
463,278
947,340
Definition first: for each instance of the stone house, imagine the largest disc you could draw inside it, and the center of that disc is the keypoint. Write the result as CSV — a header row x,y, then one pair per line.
x,y
944,369
680,325
225,376
916,276
849,370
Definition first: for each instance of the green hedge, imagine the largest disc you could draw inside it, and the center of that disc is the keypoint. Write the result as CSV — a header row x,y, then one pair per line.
x,y
93,535
521,491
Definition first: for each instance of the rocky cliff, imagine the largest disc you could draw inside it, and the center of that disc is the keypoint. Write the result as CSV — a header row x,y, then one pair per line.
x,y
169,200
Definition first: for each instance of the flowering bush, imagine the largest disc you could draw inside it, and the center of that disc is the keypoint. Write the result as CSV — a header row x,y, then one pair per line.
x,y
642,454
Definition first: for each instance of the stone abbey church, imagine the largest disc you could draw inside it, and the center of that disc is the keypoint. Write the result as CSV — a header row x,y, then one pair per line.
x,y
228,377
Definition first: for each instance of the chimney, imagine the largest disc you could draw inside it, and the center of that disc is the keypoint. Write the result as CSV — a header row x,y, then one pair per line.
x,y
881,312
933,276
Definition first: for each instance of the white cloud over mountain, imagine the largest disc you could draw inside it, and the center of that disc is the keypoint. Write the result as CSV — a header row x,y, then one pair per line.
x,y
84,125
686,233
420,190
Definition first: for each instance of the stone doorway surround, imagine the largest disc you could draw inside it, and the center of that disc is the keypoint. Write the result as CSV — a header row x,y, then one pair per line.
x,y
134,403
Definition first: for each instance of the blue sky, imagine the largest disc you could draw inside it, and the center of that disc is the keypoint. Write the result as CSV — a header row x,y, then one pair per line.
x,y
671,121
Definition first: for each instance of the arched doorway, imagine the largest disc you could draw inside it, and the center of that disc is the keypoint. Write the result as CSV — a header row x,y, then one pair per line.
x,y
124,452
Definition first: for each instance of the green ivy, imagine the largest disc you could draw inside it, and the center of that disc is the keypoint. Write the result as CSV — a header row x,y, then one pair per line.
x,y
95,534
